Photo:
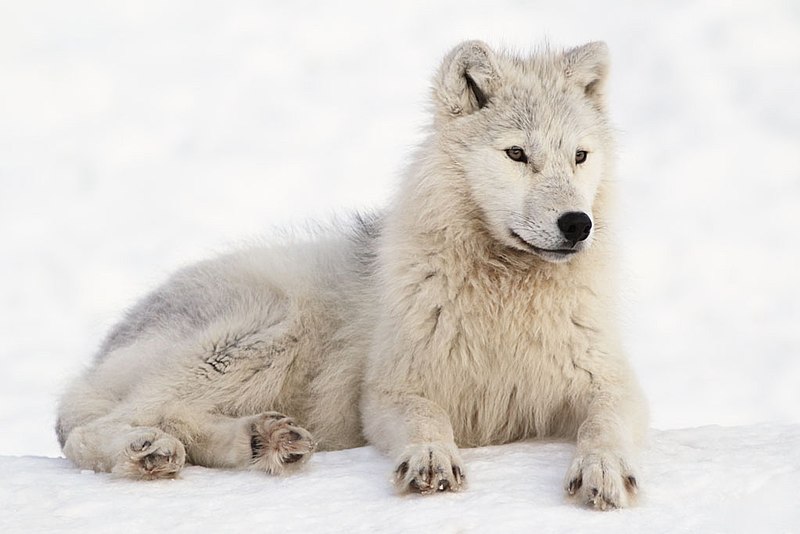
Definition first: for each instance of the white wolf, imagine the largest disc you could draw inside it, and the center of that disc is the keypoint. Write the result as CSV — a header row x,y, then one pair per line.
x,y
476,310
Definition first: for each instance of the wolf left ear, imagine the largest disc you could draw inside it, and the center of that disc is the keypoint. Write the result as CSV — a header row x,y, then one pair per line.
x,y
587,66
467,79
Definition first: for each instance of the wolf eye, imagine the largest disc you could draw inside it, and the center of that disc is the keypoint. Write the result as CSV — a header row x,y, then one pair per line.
x,y
580,156
517,154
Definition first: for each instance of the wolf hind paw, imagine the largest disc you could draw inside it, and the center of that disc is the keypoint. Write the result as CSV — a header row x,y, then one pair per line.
x,y
277,443
151,455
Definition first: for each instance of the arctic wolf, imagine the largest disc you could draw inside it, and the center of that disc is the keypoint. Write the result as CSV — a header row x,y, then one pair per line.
x,y
476,310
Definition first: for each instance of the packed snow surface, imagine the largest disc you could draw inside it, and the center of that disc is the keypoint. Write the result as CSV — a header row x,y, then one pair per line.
x,y
708,479
137,137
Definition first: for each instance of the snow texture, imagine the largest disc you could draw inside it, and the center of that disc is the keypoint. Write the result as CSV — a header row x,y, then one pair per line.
x,y
140,136
709,479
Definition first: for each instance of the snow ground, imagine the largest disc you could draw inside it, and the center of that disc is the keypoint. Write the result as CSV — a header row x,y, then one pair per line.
x,y
139,136
709,479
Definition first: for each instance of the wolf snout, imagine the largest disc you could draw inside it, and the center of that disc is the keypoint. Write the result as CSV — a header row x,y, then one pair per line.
x,y
575,225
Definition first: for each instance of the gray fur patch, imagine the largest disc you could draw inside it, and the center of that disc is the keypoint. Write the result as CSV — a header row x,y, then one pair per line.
x,y
183,302
364,236
61,433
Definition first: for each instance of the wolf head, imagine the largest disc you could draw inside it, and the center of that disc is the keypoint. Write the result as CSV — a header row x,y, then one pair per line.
x,y
530,137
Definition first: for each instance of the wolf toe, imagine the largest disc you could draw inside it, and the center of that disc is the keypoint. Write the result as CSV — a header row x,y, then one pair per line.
x,y
602,481
429,468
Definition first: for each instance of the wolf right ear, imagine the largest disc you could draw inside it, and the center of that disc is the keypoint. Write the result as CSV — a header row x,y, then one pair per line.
x,y
467,79
587,65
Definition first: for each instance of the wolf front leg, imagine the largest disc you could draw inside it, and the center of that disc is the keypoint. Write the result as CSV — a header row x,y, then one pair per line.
x,y
603,474
418,434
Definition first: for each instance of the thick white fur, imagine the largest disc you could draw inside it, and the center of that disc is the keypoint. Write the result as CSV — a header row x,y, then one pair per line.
x,y
442,323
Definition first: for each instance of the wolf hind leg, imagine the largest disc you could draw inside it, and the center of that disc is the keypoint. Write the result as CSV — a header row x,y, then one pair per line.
x,y
269,441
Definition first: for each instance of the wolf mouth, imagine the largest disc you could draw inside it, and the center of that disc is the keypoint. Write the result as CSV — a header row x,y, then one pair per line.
x,y
540,250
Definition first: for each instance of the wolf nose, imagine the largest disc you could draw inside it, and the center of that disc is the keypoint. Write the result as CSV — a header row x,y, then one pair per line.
x,y
575,225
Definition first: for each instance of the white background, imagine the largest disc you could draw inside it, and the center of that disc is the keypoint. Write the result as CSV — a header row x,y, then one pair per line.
x,y
136,137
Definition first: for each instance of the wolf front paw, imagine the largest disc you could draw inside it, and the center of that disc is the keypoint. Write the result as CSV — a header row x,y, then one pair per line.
x,y
151,454
429,467
276,443
602,481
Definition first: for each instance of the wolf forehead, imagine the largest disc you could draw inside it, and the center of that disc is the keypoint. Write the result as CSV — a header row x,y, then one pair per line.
x,y
546,90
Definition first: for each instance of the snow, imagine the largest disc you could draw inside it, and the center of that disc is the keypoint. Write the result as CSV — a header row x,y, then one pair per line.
x,y
702,480
140,136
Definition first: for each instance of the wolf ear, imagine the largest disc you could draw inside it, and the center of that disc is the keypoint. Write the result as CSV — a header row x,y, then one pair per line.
x,y
467,79
587,66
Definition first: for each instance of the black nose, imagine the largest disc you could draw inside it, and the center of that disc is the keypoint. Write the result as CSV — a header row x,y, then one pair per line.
x,y
575,226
